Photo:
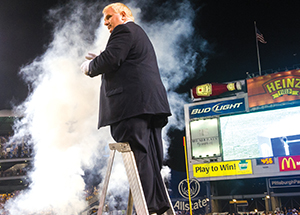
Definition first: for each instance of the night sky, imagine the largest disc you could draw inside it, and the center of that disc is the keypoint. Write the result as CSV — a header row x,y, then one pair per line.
x,y
228,27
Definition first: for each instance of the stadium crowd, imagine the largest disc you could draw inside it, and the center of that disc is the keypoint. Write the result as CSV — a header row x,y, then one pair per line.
x,y
14,150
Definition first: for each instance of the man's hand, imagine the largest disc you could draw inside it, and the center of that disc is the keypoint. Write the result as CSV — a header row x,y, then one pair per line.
x,y
85,67
90,56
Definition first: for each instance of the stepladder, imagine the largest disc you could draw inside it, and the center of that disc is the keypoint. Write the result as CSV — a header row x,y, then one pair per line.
x,y
136,196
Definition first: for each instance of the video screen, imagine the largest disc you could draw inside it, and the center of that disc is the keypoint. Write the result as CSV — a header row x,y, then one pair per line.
x,y
261,134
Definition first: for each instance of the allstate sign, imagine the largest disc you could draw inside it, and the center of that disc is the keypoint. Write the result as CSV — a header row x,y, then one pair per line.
x,y
197,203
218,108
179,194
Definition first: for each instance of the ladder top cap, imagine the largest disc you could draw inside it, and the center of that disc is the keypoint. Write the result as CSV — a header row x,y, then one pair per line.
x,y
120,147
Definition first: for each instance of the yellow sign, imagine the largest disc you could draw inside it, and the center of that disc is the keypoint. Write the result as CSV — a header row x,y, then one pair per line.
x,y
288,163
239,167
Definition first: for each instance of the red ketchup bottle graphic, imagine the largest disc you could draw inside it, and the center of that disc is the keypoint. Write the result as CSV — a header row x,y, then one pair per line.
x,y
214,89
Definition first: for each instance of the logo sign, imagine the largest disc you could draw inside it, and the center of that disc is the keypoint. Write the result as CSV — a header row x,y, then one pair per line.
x,y
264,161
239,167
290,163
194,188
200,204
218,108
274,88
284,182
180,196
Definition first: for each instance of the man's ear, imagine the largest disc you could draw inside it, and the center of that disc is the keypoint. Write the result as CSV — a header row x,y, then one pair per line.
x,y
123,14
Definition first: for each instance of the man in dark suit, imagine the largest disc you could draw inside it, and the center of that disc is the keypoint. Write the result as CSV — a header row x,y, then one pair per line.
x,y
133,100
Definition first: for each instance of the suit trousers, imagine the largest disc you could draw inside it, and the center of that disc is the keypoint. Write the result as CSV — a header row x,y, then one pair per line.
x,y
143,133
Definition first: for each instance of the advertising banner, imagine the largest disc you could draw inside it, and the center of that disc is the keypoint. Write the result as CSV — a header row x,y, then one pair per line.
x,y
218,108
274,88
264,161
217,169
179,195
289,163
284,182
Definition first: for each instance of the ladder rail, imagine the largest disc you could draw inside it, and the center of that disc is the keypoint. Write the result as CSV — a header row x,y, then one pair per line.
x,y
105,184
135,183
129,204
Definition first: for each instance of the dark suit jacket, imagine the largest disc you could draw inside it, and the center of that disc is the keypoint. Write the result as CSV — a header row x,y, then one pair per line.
x,y
131,83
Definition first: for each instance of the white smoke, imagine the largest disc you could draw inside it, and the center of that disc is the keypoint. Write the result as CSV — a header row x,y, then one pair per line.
x,y
60,115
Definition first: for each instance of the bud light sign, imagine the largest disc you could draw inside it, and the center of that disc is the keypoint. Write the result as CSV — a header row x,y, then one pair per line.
x,y
218,108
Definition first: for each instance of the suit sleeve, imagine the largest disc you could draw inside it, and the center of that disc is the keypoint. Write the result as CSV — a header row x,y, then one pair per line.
x,y
115,54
